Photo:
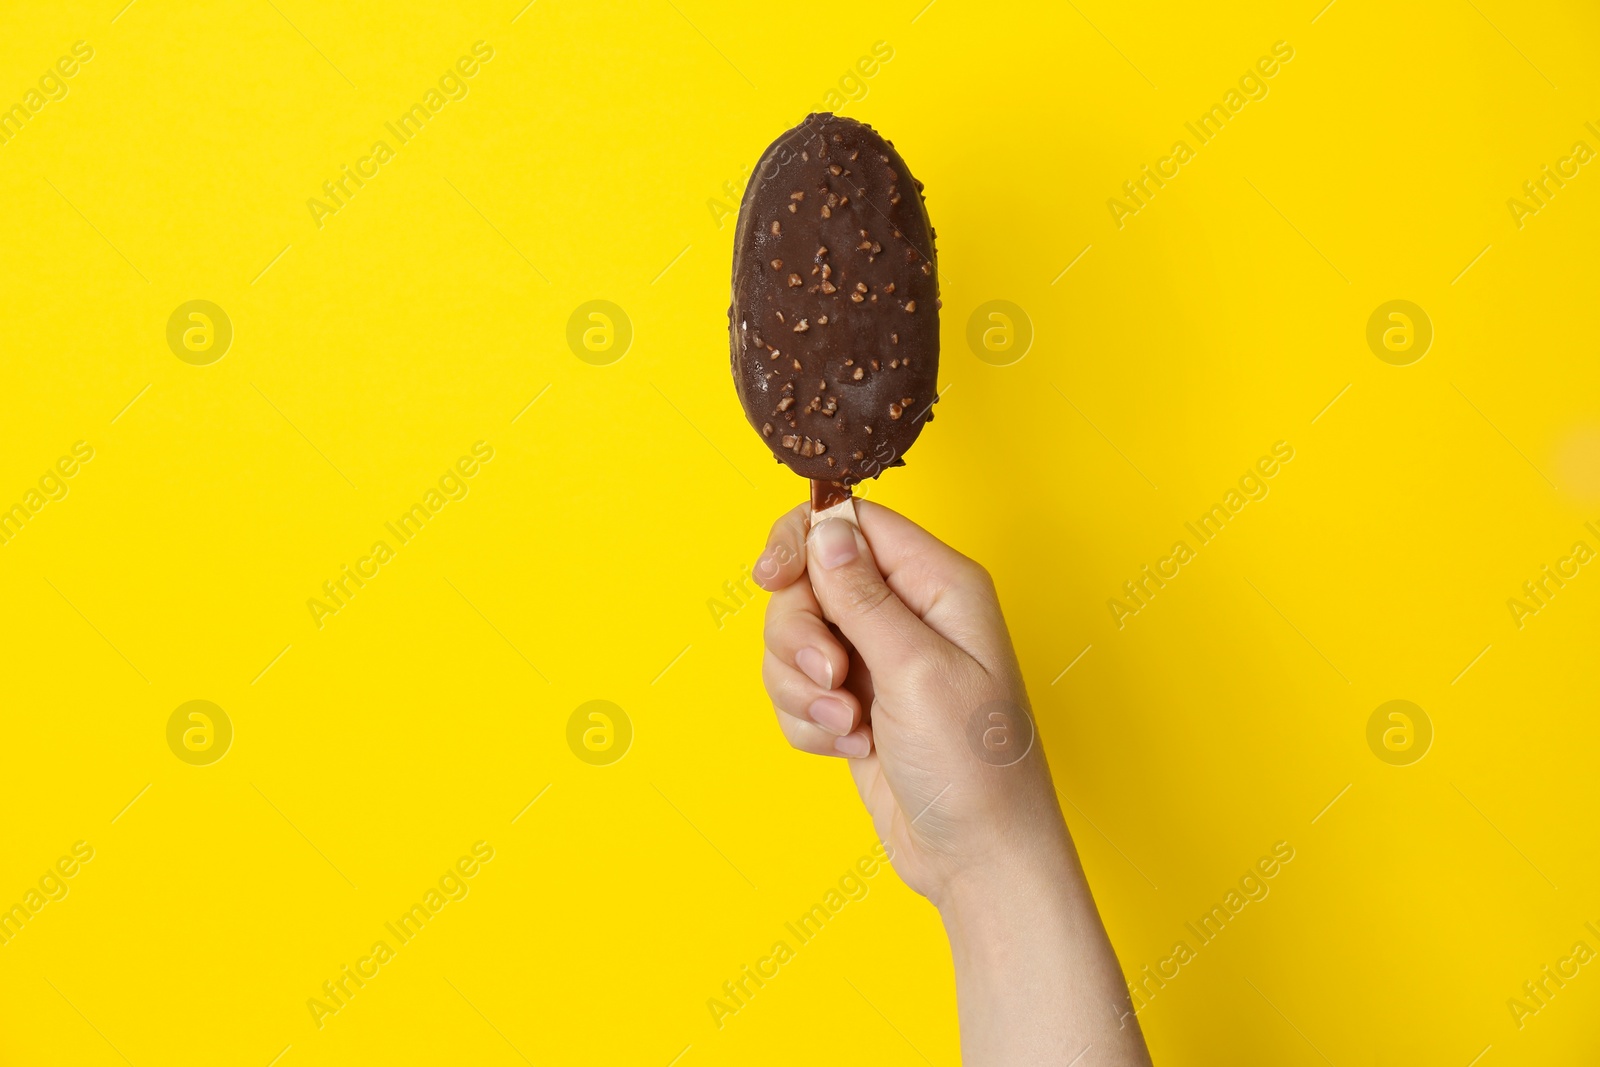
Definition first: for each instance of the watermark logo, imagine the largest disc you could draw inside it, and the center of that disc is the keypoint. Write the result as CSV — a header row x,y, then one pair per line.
x,y
1252,888
452,886
52,886
51,486
1252,486
599,332
199,333
1537,193
1137,193
1399,733
1537,993
453,85
599,733
199,733
1539,590
1399,333
52,87
999,333
851,88
339,591
852,886
1001,733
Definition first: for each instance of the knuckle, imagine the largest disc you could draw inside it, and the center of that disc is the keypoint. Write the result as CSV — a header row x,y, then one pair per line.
x,y
772,630
772,677
864,594
779,557
786,628
793,732
975,574
930,676
786,689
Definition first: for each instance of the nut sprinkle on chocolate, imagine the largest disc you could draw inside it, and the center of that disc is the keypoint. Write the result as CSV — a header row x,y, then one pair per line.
x,y
867,415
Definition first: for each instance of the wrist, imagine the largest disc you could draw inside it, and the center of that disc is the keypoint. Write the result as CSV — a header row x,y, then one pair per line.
x,y
996,902
1036,980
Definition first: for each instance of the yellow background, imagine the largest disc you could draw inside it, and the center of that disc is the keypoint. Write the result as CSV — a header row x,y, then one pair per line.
x,y
371,753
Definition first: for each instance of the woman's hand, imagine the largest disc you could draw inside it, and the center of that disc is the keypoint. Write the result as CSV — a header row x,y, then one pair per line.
x,y
916,682
886,646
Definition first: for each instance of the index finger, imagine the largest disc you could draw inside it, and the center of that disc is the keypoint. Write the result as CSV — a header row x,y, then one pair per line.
x,y
783,561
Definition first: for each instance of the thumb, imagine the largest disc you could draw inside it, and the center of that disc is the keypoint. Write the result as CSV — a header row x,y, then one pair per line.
x,y
855,598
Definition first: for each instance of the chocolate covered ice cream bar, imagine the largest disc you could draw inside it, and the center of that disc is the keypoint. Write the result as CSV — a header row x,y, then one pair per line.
x,y
835,317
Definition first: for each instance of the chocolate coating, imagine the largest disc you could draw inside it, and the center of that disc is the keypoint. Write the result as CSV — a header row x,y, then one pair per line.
x,y
834,325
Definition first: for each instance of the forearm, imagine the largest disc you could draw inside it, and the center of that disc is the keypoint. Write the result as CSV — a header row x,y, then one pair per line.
x,y
1036,979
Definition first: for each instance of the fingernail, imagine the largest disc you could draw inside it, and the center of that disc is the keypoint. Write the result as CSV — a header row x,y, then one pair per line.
x,y
835,542
832,715
817,667
856,746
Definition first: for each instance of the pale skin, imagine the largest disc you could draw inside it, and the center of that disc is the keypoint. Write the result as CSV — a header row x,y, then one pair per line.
x,y
887,648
